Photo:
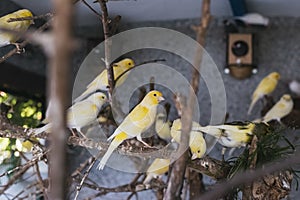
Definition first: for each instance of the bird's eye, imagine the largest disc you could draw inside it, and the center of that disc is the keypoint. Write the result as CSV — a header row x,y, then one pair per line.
x,y
103,97
199,151
129,63
154,95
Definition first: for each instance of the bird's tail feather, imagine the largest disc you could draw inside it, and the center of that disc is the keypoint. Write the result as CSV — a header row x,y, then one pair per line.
x,y
45,128
254,100
210,130
148,178
114,144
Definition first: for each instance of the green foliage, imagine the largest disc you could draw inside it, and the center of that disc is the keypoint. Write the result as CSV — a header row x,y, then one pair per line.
x,y
271,145
23,112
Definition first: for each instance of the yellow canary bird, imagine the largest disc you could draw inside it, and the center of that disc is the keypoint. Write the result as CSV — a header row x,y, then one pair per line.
x,y
197,143
281,109
101,81
7,38
235,134
157,168
266,86
134,124
80,114
163,127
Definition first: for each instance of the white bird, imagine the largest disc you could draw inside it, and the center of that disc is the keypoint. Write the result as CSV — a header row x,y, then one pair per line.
x,y
80,114
254,19
295,87
281,109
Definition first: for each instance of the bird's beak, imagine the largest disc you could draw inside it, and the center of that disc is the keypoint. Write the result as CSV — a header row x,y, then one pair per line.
x,y
194,156
160,99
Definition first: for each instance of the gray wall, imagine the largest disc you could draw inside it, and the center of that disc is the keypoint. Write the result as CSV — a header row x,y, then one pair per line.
x,y
157,10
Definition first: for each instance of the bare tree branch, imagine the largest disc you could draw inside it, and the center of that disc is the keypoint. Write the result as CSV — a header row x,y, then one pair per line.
x,y
250,175
86,173
91,8
47,15
40,180
176,179
107,46
59,88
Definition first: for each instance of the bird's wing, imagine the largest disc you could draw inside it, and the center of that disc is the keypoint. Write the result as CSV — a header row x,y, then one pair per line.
x,y
99,83
266,86
82,113
100,79
134,123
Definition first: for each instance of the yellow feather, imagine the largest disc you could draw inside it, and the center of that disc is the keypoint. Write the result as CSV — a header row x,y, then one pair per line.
x,y
20,26
157,168
197,143
135,123
121,136
265,87
281,109
101,81
80,114
231,135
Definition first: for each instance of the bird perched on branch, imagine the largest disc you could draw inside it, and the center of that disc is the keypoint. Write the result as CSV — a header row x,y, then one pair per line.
x,y
281,109
156,169
234,134
134,124
7,38
101,81
266,86
197,143
80,114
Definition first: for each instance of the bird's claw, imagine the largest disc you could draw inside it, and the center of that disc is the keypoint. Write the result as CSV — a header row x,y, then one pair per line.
x,y
19,49
147,145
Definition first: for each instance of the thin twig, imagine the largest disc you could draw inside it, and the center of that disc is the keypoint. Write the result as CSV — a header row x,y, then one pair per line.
x,y
47,15
82,166
107,46
24,190
250,175
91,8
31,162
140,64
40,180
152,83
128,188
247,190
176,179
86,173
16,176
